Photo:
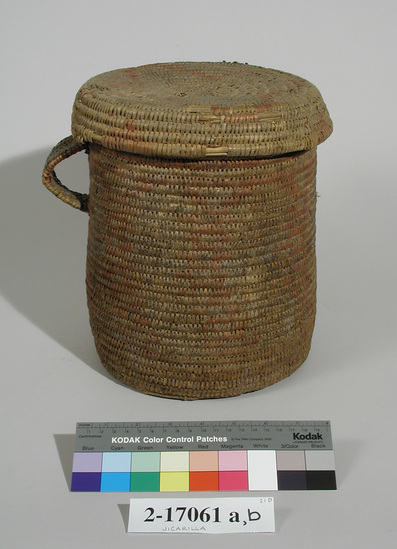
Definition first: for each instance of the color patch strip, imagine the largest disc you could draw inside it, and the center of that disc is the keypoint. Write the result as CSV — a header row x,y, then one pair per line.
x,y
262,470
174,481
292,480
204,481
230,481
204,461
86,482
233,460
145,482
195,471
115,482
145,462
174,461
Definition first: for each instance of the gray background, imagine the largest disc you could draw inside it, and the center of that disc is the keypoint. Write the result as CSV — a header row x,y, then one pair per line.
x,y
51,376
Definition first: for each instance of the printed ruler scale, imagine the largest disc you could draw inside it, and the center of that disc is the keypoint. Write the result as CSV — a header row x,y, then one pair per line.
x,y
212,456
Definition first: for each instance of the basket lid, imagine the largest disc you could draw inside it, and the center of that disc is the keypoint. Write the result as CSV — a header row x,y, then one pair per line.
x,y
199,110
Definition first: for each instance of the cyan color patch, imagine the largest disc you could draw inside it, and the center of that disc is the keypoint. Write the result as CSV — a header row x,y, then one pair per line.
x,y
115,482
116,462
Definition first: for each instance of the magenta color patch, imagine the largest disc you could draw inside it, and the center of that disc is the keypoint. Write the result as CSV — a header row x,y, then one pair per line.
x,y
233,480
233,460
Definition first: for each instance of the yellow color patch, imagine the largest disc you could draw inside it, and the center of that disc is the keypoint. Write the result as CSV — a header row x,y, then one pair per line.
x,y
174,481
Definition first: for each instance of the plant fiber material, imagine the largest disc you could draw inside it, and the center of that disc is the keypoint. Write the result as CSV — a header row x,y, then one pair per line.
x,y
201,267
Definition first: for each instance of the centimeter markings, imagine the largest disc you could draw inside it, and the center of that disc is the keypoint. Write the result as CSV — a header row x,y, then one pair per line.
x,y
203,435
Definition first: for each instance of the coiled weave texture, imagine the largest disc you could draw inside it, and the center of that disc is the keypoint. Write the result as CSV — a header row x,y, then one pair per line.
x,y
201,275
200,110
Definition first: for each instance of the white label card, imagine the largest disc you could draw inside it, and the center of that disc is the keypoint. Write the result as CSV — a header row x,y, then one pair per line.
x,y
202,515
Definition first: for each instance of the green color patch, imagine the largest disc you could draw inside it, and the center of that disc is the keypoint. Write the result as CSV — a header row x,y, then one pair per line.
x,y
145,462
145,482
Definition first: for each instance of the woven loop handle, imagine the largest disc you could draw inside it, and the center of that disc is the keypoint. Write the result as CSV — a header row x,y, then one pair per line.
x,y
65,148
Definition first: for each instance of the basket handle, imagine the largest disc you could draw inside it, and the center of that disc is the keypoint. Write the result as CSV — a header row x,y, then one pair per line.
x,y
65,148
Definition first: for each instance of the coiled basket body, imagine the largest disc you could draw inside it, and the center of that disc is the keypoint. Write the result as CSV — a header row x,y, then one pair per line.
x,y
201,275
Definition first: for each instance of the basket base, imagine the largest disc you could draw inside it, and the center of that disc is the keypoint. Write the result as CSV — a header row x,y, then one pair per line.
x,y
253,377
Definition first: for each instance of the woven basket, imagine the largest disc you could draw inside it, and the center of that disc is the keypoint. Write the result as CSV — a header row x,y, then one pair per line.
x,y
201,269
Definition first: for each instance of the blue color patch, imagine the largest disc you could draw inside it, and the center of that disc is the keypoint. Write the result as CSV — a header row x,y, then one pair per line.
x,y
86,482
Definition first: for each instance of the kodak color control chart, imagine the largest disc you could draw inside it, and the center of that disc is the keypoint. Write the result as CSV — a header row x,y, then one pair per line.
x,y
203,456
